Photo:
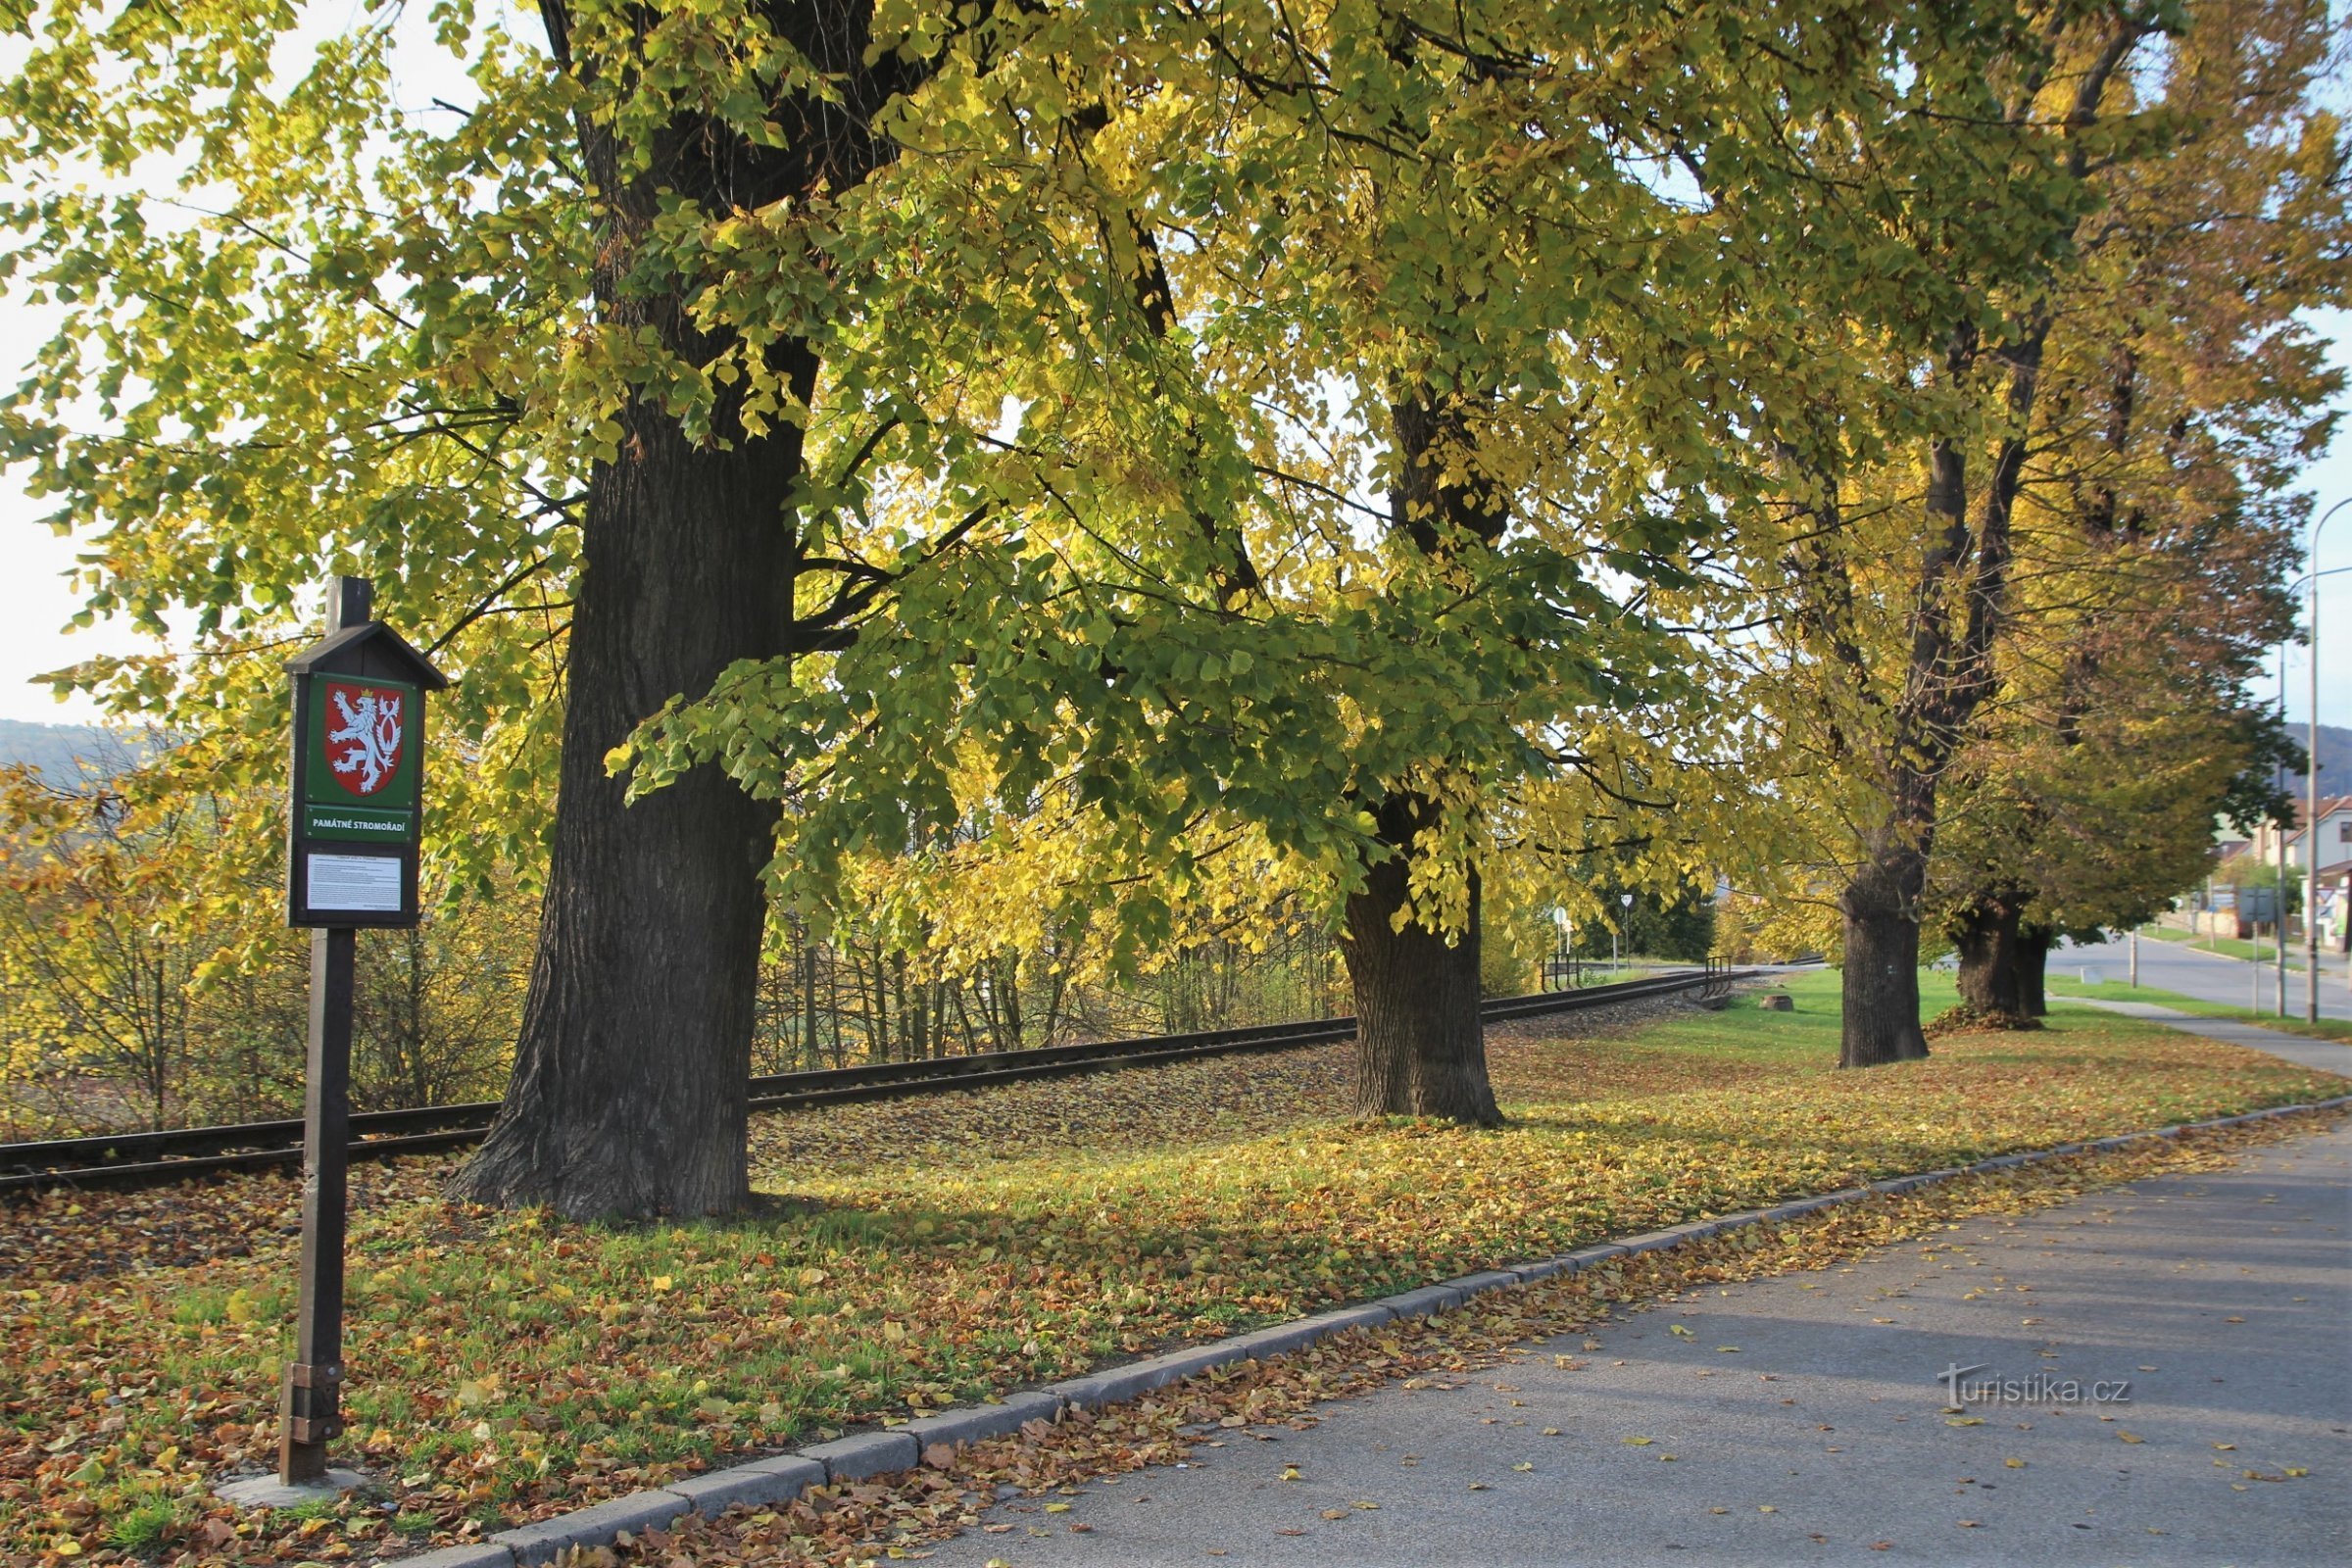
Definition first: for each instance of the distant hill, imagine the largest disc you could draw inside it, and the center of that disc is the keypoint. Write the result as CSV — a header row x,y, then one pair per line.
x,y
2335,759
63,751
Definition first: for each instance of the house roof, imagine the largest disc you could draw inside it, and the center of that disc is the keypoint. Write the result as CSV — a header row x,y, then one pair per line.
x,y
2329,804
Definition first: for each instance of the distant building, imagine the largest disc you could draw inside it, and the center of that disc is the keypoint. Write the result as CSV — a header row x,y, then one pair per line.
x,y
2334,836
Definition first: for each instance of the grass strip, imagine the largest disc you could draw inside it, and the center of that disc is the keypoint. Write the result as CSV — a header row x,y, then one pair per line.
x,y
865,1525
2336,1029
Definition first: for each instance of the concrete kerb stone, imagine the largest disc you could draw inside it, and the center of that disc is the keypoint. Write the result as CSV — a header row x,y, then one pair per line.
x,y
1280,1339
783,1477
1585,1257
1426,1301
474,1554
868,1453
592,1526
978,1422
760,1484
1120,1384
1650,1241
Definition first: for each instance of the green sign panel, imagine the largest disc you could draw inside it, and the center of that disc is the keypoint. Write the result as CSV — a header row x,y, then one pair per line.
x,y
364,744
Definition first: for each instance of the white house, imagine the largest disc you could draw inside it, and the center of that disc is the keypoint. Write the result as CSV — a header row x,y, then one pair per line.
x,y
2334,835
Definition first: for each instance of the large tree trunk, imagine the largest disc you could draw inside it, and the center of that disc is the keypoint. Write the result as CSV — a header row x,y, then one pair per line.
x,y
1991,958
630,1087
2033,945
632,1070
1420,1041
1879,983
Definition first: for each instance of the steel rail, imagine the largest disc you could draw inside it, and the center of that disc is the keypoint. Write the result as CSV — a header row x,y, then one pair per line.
x,y
139,1159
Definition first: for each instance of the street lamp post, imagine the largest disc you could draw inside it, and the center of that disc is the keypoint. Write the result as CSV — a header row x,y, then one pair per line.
x,y
2278,892
2311,786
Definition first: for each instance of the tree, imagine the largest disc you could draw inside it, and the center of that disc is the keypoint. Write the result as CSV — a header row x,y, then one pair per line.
x,y
1444,273
1905,582
2178,403
85,910
542,359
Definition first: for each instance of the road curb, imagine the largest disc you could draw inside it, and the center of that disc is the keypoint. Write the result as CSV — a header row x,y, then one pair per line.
x,y
779,1479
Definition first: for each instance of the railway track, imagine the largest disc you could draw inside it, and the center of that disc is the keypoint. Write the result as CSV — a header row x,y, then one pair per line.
x,y
140,1160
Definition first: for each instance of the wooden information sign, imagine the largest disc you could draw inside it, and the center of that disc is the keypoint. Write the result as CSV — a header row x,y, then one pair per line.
x,y
353,826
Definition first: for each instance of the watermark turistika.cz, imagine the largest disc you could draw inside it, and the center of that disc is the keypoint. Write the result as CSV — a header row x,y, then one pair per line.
x,y
1962,1387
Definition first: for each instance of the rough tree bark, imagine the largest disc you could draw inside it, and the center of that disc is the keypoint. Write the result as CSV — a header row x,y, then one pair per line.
x,y
1878,985
1420,1041
1992,957
2033,945
629,1096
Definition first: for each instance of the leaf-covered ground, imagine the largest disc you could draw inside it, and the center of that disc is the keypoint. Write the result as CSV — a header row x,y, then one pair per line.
x,y
929,1251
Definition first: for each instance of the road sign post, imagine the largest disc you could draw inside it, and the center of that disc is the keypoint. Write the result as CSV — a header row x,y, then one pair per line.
x,y
354,825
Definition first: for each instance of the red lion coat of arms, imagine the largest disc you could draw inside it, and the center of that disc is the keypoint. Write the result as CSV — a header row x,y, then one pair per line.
x,y
365,731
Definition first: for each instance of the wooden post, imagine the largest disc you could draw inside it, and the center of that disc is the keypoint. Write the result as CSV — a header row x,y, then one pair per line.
x,y
309,1412
353,819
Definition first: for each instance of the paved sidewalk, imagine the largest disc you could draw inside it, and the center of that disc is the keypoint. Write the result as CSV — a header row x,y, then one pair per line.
x,y
2328,1055
1800,1419
2208,976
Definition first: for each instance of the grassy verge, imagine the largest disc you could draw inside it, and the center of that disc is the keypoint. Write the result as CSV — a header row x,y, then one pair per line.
x,y
2228,947
2120,991
929,1251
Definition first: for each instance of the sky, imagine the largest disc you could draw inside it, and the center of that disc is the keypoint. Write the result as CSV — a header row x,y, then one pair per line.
x,y
36,606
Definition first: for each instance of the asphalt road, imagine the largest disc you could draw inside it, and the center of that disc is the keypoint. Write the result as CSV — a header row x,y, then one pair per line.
x,y
2208,976
1801,1419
